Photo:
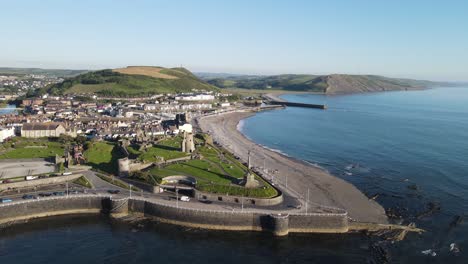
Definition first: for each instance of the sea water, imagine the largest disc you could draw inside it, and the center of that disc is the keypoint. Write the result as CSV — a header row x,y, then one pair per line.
x,y
407,150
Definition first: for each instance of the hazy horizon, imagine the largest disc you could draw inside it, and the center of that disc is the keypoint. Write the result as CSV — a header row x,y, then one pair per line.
x,y
417,39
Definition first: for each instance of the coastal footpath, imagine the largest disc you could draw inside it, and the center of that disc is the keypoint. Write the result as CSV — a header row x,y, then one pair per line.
x,y
298,178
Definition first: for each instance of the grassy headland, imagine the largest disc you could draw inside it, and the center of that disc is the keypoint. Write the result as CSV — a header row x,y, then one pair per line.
x,y
131,81
328,84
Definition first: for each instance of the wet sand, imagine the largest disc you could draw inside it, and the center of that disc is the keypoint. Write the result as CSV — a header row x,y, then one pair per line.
x,y
300,177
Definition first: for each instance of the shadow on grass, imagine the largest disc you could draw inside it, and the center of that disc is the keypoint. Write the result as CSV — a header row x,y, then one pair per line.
x,y
110,167
167,148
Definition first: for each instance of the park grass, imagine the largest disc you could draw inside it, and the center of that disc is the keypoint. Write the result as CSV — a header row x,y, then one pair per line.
x,y
103,156
202,170
83,181
28,148
167,149
116,182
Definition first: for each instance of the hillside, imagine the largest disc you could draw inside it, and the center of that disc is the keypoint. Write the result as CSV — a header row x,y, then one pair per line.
x,y
329,84
47,72
131,81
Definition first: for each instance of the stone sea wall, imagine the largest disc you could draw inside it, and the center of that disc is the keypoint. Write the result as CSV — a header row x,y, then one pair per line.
x,y
277,224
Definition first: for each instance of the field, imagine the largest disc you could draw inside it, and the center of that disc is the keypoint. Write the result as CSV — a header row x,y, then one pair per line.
x,y
145,70
103,156
25,148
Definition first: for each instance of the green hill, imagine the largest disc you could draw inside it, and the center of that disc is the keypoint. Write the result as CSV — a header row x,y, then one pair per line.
x,y
329,84
131,81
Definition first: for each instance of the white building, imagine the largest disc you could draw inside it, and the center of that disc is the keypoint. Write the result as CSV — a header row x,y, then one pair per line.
x,y
150,107
198,97
6,133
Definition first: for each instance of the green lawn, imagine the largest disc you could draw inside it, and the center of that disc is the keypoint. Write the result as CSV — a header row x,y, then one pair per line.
x,y
83,182
116,182
103,156
24,148
168,149
202,170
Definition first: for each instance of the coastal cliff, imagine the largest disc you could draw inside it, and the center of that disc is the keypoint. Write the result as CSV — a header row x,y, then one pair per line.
x,y
327,84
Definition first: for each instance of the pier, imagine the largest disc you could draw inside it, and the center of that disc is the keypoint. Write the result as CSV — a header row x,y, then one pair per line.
x,y
292,104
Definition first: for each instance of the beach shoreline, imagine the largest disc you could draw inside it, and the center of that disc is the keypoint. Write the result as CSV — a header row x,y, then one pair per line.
x,y
298,177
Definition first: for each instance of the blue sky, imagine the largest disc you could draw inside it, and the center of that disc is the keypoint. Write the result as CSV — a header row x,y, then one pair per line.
x,y
412,38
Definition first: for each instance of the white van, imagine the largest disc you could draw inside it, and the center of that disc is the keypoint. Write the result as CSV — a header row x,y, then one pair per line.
x,y
185,198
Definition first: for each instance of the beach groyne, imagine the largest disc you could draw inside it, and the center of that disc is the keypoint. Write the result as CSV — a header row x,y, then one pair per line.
x,y
246,220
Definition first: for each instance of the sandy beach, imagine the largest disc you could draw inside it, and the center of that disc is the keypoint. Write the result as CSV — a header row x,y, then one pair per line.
x,y
299,177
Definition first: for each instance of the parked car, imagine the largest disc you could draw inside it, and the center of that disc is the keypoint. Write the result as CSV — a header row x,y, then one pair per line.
x,y
67,173
29,197
28,178
113,191
6,181
5,200
58,193
45,194
185,198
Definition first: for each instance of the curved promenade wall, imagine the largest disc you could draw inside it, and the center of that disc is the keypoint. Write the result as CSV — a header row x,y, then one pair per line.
x,y
278,224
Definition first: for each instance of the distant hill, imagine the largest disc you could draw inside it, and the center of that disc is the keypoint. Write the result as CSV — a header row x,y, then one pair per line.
x,y
131,81
329,84
38,71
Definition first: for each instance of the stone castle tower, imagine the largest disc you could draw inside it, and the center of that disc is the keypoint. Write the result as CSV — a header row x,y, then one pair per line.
x,y
188,144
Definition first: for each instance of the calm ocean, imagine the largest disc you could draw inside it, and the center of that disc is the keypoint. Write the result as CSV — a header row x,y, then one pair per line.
x,y
409,150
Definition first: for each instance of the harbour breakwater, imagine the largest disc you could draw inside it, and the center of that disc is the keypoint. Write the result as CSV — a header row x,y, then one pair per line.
x,y
293,104
279,224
